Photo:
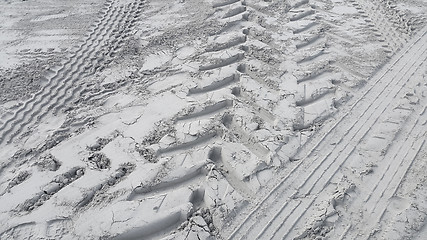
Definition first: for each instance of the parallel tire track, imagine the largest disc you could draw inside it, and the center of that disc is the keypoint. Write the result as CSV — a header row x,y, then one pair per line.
x,y
391,171
320,173
327,173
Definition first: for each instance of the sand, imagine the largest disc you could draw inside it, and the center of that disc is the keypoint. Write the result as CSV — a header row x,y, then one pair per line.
x,y
206,119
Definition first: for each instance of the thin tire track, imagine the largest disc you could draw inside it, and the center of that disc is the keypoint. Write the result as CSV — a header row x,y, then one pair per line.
x,y
334,161
67,96
74,73
63,68
46,91
251,214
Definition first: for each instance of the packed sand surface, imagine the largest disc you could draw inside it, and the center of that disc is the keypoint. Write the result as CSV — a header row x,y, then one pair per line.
x,y
213,119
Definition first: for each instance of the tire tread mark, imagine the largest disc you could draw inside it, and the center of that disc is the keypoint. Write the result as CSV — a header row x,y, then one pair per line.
x,y
54,80
280,185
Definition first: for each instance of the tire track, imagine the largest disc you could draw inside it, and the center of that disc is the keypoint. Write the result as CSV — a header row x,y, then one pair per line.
x,y
232,71
394,164
53,81
236,87
285,189
330,171
72,71
242,75
306,188
315,89
394,38
232,75
127,21
76,71
375,86
389,185
317,35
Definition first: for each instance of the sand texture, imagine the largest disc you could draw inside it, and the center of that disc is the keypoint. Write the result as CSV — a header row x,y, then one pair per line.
x,y
213,119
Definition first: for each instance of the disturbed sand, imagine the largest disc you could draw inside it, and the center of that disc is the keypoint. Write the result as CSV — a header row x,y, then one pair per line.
x,y
213,119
